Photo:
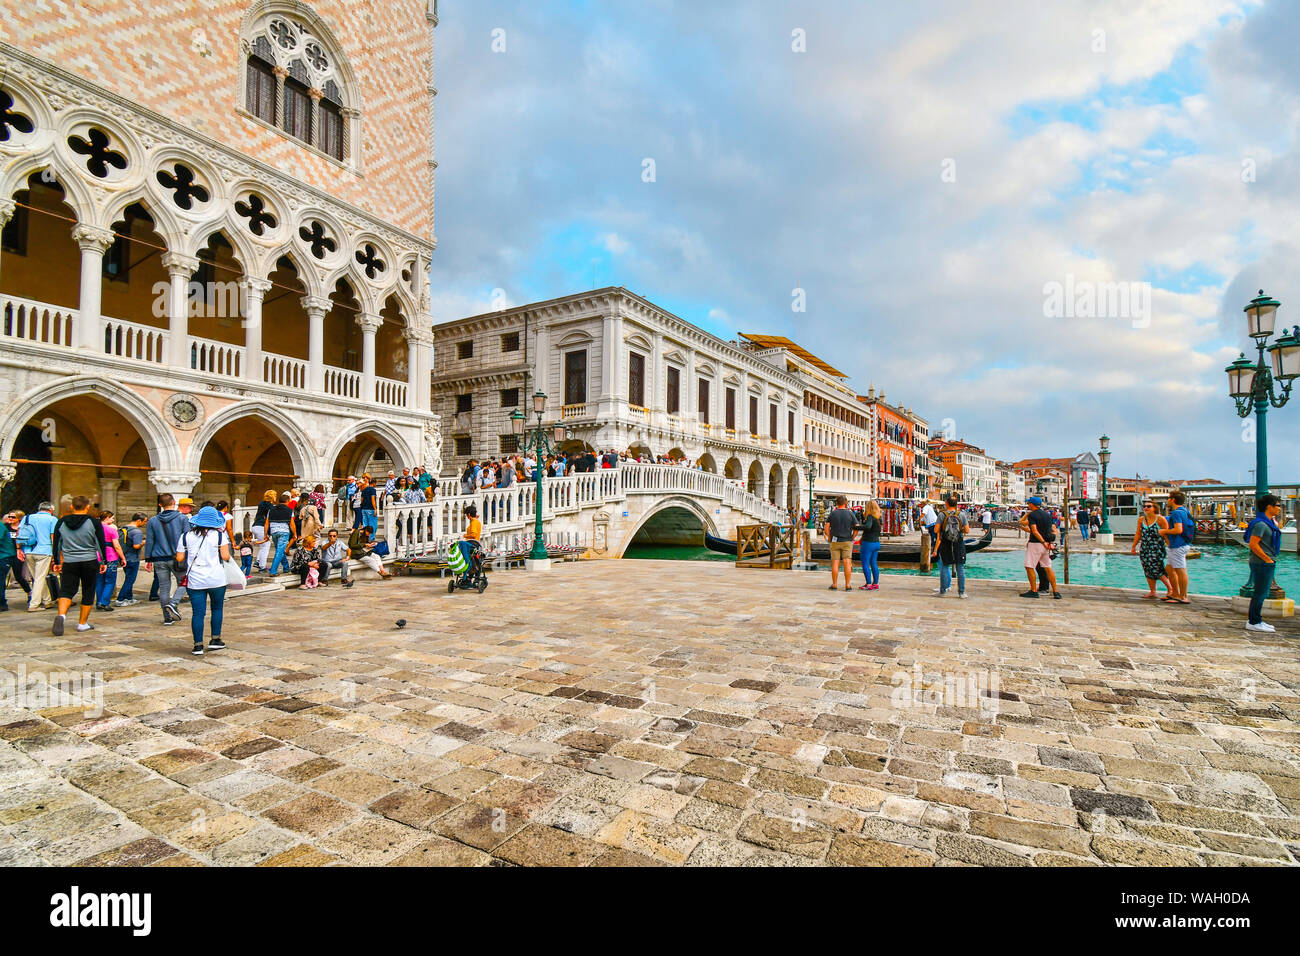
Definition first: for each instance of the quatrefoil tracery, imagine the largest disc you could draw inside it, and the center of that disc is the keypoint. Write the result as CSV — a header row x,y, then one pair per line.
x,y
255,211
369,259
98,155
10,118
185,189
318,238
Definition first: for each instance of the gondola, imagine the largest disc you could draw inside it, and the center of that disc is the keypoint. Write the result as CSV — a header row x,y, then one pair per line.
x,y
894,552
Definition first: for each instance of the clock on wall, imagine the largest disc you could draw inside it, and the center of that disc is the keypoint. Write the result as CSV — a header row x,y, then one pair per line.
x,y
183,411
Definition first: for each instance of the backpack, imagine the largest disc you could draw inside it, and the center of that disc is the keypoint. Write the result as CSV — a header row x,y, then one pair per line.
x,y
952,526
1189,526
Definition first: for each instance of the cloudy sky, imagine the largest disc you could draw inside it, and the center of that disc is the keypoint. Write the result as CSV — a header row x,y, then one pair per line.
x,y
933,175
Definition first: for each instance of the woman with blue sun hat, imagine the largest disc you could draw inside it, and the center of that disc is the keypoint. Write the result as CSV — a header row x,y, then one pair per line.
x,y
204,548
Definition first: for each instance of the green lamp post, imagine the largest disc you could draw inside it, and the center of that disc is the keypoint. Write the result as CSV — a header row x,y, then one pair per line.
x,y
1251,385
811,471
537,441
1104,534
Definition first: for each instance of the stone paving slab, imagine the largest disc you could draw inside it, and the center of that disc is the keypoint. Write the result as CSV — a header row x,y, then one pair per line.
x,y
640,713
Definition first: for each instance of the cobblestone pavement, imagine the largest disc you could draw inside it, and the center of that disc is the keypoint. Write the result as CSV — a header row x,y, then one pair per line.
x,y
618,713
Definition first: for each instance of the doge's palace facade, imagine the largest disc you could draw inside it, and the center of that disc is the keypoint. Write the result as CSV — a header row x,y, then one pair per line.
x,y
218,224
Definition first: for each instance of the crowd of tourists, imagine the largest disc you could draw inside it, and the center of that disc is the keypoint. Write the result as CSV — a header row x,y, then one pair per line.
x,y
1162,542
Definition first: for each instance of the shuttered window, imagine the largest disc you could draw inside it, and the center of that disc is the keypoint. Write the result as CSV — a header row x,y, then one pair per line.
x,y
674,390
260,94
575,377
704,401
636,378
297,110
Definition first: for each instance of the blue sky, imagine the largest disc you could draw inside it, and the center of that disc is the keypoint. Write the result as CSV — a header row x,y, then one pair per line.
x,y
924,172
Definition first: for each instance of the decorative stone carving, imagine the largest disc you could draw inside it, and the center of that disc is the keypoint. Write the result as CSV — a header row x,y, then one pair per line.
x,y
600,532
177,483
183,411
92,238
432,448
8,471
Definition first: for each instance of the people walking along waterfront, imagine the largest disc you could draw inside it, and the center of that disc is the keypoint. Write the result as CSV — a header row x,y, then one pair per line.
x,y
839,528
1150,546
1179,533
870,547
950,548
1038,523
1265,540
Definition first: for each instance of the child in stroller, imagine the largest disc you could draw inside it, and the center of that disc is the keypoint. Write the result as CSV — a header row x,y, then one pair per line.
x,y
473,577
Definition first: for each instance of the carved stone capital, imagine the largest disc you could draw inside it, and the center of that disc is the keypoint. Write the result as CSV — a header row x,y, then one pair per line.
x,y
178,483
177,264
8,472
369,323
255,287
418,337
316,303
92,238
7,207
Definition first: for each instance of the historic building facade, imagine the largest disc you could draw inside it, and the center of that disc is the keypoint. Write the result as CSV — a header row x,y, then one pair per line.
x,y
218,223
837,431
895,448
623,374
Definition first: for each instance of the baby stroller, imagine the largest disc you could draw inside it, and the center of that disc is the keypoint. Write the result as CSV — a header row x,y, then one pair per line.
x,y
468,563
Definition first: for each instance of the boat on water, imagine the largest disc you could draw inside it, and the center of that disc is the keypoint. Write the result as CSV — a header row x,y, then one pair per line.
x,y
891,551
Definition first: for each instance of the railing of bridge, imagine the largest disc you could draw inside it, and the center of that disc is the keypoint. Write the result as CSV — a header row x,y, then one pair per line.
x,y
424,528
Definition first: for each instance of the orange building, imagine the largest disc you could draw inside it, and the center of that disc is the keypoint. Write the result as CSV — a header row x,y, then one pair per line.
x,y
895,449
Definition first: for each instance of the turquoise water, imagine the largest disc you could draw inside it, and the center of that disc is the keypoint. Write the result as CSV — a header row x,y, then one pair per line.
x,y
1220,570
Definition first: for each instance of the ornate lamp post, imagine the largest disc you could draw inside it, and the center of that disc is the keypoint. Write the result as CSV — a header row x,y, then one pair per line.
x,y
810,470
537,441
1251,385
1104,534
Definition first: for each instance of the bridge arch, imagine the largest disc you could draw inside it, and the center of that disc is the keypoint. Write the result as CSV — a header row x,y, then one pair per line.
x,y
678,507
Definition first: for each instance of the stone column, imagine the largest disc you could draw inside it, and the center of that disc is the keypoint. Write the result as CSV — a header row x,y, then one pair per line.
x,y
656,397
94,242
255,291
418,386
690,388
369,326
179,269
178,484
110,480
316,306
607,363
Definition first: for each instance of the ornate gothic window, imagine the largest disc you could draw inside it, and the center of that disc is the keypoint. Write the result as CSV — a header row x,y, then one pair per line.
x,y
296,80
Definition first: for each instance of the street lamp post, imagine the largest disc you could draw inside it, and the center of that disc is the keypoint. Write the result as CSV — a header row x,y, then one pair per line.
x,y
537,441
1251,385
1104,534
811,471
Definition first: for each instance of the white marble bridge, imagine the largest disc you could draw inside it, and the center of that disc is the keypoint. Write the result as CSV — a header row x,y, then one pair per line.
x,y
600,512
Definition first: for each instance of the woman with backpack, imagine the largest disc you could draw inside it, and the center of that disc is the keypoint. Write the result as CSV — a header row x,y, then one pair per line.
x,y
950,548
204,548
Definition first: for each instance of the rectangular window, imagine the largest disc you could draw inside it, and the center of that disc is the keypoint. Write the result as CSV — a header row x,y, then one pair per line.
x,y
463,447
465,350
636,378
331,129
753,414
510,342
14,237
508,444
464,403
575,377
510,398
260,93
704,400
297,110
771,421
731,409
789,430
674,391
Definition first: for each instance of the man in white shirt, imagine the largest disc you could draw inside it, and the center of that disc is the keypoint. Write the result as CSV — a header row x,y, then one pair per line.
x,y
931,521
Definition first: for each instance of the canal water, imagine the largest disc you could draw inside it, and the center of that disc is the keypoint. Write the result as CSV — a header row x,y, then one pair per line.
x,y
1220,570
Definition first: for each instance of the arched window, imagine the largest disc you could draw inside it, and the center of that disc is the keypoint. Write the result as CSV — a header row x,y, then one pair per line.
x,y
296,79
